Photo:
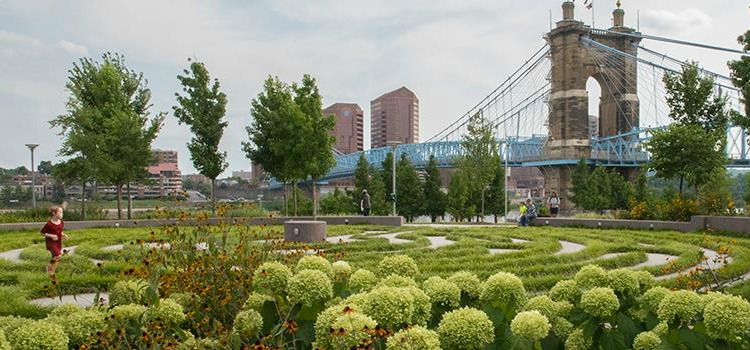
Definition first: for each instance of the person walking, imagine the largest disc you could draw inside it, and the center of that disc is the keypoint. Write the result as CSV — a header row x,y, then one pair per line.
x,y
554,204
53,236
364,204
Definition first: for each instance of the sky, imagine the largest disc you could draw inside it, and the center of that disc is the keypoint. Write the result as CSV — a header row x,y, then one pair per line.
x,y
451,53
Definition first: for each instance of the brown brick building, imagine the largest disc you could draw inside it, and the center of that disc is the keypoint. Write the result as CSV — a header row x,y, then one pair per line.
x,y
394,116
349,132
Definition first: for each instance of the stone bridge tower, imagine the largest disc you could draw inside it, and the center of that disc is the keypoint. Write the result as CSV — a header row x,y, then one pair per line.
x,y
572,66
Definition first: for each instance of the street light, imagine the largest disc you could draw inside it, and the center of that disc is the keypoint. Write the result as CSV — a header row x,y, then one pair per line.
x,y
31,147
393,145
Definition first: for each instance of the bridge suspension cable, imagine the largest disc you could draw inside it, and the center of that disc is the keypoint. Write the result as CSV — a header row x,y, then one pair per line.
x,y
674,41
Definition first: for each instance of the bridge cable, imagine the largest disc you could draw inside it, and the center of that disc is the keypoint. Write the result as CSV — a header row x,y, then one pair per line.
x,y
675,41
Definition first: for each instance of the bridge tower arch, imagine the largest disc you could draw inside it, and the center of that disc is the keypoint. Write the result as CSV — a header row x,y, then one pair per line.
x,y
572,65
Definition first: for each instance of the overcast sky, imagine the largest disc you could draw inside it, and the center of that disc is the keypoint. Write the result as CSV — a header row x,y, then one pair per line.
x,y
450,53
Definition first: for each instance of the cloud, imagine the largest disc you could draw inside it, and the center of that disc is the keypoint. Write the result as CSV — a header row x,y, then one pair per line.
x,y
72,48
690,19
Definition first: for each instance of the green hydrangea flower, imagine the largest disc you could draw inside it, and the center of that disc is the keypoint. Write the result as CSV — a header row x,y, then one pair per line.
x,y
248,324
124,314
402,265
65,309
565,290
187,300
562,327
646,280
38,335
548,307
325,320
314,262
624,281
504,289
341,271
9,323
465,329
362,281
309,287
80,325
600,302
396,281
271,278
646,341
167,311
661,329
727,317
652,298
531,325
355,300
591,276
390,307
682,306
442,292
422,306
578,341
414,338
4,344
128,292
256,301
350,330
199,344
468,282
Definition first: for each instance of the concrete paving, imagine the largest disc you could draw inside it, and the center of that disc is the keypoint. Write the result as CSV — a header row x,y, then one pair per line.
x,y
570,248
439,241
502,251
82,300
112,248
12,255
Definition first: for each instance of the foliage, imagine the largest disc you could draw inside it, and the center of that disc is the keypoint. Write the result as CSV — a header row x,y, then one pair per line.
x,y
338,203
408,189
458,197
480,157
740,70
434,197
496,196
599,190
202,109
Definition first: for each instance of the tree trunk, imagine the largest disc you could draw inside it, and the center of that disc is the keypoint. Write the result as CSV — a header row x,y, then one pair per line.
x,y
495,218
294,196
286,201
315,200
83,200
483,204
213,196
681,178
130,203
119,202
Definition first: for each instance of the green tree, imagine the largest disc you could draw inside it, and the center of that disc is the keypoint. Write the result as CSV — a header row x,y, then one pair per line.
x,y
641,190
433,196
317,140
496,196
378,197
480,156
714,196
621,190
362,174
582,186
600,187
410,198
458,204
45,167
741,79
108,122
337,203
387,174
202,108
75,171
686,152
692,101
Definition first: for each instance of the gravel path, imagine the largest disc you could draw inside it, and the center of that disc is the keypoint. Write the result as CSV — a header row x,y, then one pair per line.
x,y
82,300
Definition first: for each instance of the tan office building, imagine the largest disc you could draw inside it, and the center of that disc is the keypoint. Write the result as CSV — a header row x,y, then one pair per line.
x,y
349,131
394,117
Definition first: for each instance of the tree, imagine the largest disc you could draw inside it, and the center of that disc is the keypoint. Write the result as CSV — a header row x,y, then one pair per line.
x,y
75,171
714,194
409,190
496,196
387,174
686,152
480,156
45,167
362,174
433,196
203,108
457,203
316,137
108,122
337,203
641,191
691,101
377,191
741,79
581,185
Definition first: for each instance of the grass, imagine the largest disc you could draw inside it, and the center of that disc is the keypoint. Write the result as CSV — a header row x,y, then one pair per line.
x,y
535,261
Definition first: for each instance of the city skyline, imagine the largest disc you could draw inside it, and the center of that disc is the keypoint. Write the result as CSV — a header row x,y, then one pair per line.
x,y
451,53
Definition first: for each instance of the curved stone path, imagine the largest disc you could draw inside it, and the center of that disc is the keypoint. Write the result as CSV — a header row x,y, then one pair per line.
x,y
82,300
570,248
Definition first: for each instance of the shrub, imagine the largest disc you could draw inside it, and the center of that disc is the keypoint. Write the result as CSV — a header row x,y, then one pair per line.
x,y
247,324
199,344
4,344
468,282
681,209
442,292
309,287
314,262
548,307
578,341
565,290
128,292
402,265
351,329
645,279
503,290
38,335
255,301
681,306
728,318
600,302
465,329
646,341
186,300
390,307
167,311
271,278
624,281
414,338
80,325
325,320
9,323
591,276
341,271
123,314
65,309
362,280
422,306
652,298
531,325
397,281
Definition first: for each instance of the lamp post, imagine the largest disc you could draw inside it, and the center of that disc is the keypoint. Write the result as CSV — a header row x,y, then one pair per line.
x,y
393,145
31,147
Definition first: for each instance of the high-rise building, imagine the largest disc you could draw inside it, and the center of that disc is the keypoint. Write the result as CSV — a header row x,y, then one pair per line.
x,y
349,132
394,117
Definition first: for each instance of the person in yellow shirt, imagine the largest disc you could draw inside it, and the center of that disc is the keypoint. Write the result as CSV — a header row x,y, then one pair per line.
x,y
522,220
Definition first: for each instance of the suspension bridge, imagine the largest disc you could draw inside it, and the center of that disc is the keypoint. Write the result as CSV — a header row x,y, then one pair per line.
x,y
540,113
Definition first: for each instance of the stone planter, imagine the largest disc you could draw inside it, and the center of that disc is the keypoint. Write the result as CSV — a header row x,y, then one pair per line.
x,y
305,231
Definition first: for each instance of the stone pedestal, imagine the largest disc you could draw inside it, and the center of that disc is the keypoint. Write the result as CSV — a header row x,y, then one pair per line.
x,y
305,231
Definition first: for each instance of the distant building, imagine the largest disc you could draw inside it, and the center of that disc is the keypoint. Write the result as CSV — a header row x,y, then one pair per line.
x,y
523,181
349,132
394,116
593,127
197,178
243,174
44,184
164,178
258,172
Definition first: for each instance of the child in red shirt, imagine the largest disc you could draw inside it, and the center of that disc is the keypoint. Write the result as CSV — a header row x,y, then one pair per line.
x,y
53,232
